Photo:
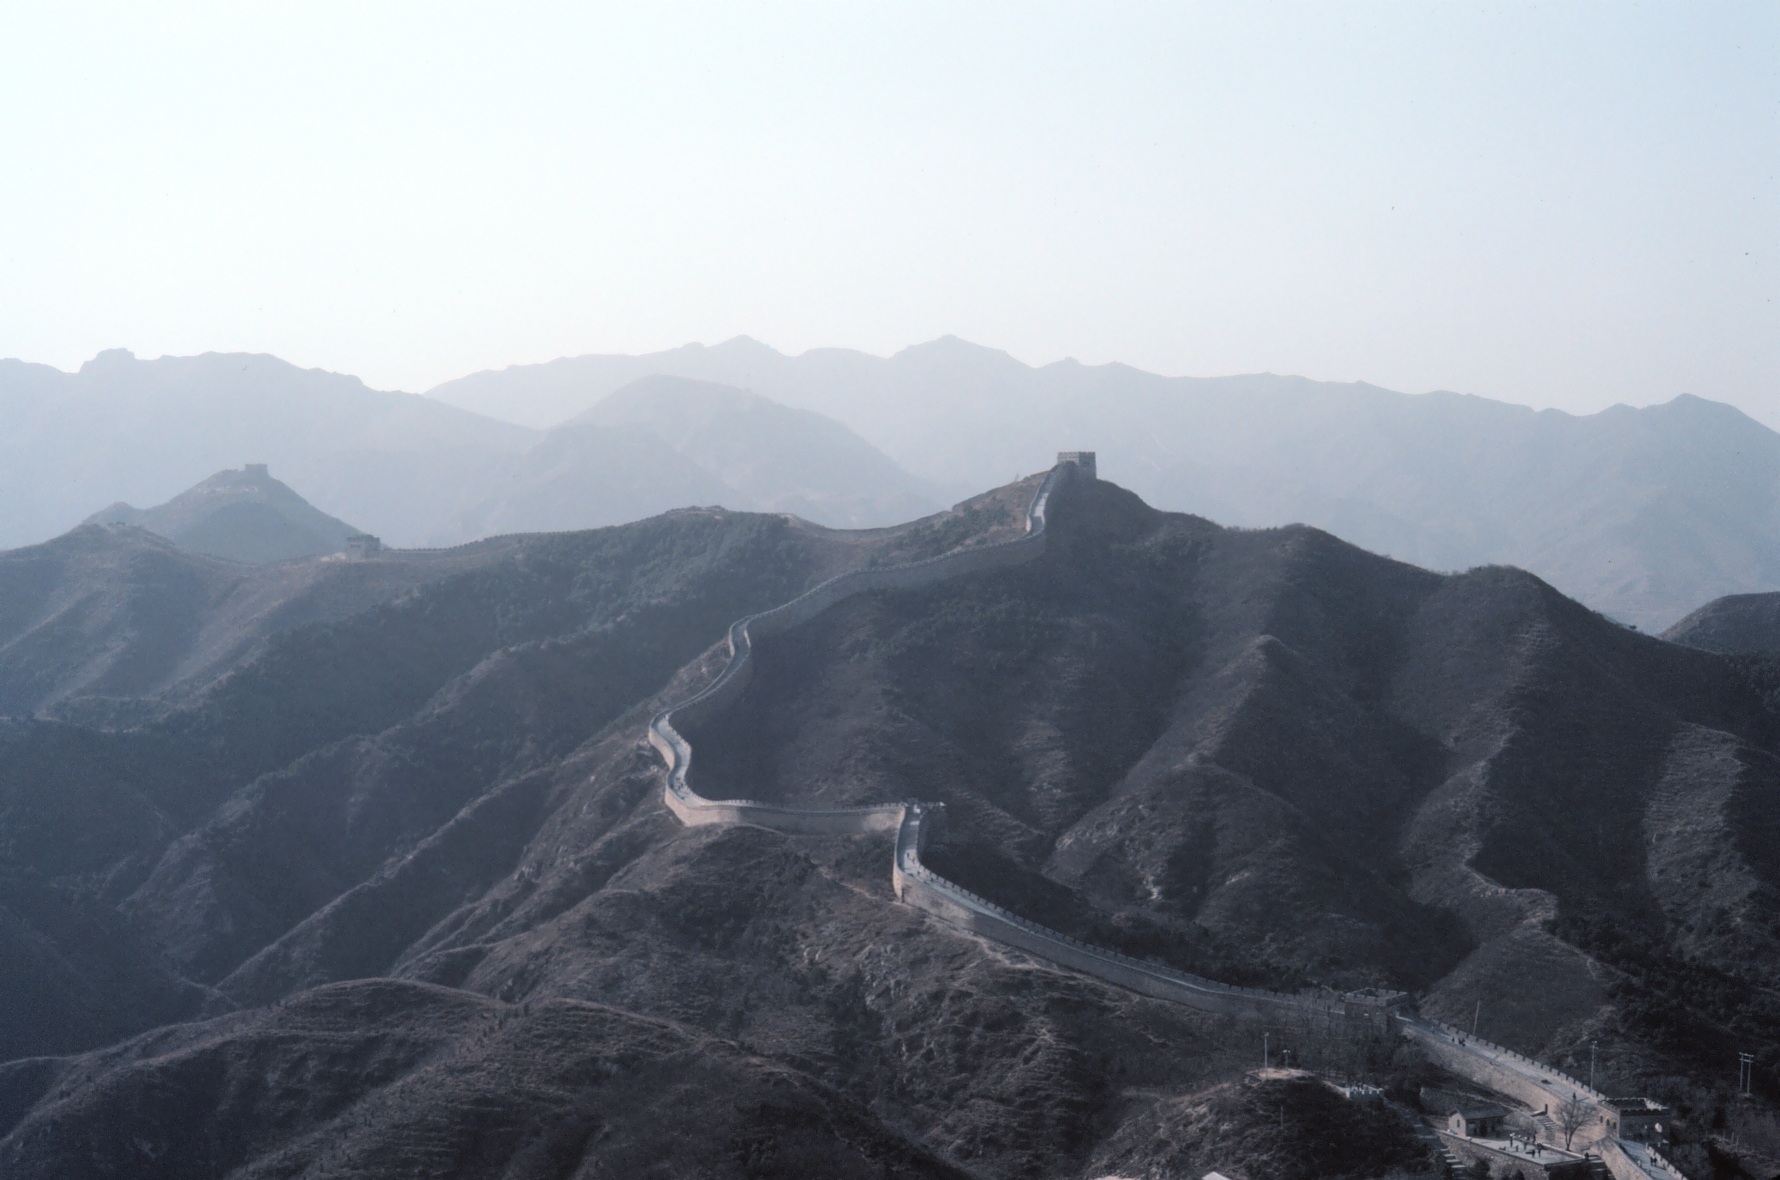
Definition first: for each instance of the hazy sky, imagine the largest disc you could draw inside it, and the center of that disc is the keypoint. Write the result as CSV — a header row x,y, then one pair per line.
x,y
1560,204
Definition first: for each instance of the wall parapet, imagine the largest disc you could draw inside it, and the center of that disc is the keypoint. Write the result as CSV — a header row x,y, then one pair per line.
x,y
1581,1090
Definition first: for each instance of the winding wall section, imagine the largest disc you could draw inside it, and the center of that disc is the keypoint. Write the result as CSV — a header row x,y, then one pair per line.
x,y
913,823
1499,1068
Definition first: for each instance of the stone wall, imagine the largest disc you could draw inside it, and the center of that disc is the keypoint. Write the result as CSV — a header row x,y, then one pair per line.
x,y
1492,1066
1527,1166
913,823
924,889
694,809
1621,1166
1435,1034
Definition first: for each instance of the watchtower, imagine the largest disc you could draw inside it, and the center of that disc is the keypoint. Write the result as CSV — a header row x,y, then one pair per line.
x,y
256,471
1083,460
363,545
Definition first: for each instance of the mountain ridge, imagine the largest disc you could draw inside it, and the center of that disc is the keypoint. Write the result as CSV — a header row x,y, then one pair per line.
x,y
1634,510
1260,752
410,469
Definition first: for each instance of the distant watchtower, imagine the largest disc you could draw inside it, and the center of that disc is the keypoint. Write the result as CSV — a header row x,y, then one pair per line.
x,y
363,545
1083,460
253,470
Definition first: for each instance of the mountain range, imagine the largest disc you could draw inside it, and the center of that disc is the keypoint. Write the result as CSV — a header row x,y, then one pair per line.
x,y
1642,513
410,469
376,878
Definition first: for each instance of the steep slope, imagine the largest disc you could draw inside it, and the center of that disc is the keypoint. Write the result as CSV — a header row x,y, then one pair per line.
x,y
1264,755
442,651
242,515
477,1087
112,622
1179,735
1642,513
100,611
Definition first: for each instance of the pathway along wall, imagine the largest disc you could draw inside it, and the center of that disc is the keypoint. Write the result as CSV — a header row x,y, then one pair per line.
x,y
914,823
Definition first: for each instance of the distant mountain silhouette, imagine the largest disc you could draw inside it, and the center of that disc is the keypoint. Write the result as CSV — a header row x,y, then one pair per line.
x,y
1642,513
583,476
778,459
242,515
408,468
666,442
142,431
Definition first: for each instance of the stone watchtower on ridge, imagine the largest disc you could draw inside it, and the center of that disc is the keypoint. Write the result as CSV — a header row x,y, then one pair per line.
x,y
1083,460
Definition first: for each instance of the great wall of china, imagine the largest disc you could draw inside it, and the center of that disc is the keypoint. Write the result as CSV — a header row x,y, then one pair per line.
x,y
1493,1066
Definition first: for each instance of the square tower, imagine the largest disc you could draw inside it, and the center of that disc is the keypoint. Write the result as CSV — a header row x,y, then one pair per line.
x,y
1084,461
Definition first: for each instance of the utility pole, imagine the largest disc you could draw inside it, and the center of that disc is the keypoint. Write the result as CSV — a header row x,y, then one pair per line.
x,y
1745,1073
1265,1056
1474,1016
1592,1046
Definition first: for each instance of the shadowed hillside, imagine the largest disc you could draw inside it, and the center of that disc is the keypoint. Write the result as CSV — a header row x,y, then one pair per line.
x,y
405,872
117,620
1185,739
1737,623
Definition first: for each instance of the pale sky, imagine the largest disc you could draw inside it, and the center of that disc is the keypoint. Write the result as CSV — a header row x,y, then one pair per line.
x,y
1556,204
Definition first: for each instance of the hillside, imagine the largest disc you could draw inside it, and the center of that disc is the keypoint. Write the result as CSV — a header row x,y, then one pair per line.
x,y
404,884
143,431
777,459
1642,513
112,621
662,443
242,515
1735,623
409,469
